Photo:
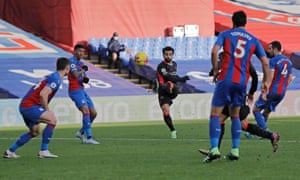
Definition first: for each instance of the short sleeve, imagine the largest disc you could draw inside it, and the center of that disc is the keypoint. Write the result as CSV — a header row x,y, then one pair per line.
x,y
259,51
53,82
220,39
272,63
73,66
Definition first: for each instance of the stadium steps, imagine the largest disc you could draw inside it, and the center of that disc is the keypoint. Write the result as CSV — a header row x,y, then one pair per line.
x,y
124,73
115,71
94,61
99,65
134,80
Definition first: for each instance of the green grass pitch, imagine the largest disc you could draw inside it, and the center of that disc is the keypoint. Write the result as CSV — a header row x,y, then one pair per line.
x,y
143,150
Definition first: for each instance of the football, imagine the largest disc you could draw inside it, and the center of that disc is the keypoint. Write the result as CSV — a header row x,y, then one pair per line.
x,y
140,58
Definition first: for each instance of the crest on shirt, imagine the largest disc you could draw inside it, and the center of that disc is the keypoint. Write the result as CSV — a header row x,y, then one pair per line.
x,y
53,85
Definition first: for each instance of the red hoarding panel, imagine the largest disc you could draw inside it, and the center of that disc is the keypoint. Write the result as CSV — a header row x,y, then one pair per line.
x,y
67,22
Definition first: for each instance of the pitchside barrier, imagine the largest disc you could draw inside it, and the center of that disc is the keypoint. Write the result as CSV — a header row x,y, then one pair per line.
x,y
137,108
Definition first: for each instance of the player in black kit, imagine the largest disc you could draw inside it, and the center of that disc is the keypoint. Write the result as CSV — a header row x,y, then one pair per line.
x,y
167,88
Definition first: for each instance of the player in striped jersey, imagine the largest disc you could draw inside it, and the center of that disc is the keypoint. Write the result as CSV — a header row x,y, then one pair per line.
x,y
231,81
77,77
281,75
35,110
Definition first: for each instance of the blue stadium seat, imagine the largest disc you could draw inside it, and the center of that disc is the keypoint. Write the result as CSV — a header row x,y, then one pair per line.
x,y
179,52
126,41
170,41
104,41
102,49
136,45
93,45
124,58
147,45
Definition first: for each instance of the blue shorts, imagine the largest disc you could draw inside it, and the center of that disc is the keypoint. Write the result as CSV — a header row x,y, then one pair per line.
x,y
31,115
270,104
81,98
228,93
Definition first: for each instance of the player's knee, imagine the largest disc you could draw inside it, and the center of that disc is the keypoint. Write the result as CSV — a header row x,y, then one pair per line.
x,y
165,110
35,132
93,115
52,119
266,113
85,110
166,114
255,109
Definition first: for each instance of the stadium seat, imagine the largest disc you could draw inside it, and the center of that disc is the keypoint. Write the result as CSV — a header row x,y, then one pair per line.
x,y
92,47
102,52
124,58
170,41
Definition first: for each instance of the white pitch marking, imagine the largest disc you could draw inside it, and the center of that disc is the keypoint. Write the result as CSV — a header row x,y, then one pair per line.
x,y
153,139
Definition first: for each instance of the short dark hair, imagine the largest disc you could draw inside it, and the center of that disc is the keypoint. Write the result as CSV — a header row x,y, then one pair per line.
x,y
239,18
61,63
167,48
78,46
276,44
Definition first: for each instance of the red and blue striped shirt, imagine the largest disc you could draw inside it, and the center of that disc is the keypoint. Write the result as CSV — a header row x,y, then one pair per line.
x,y
32,97
238,48
282,68
75,83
